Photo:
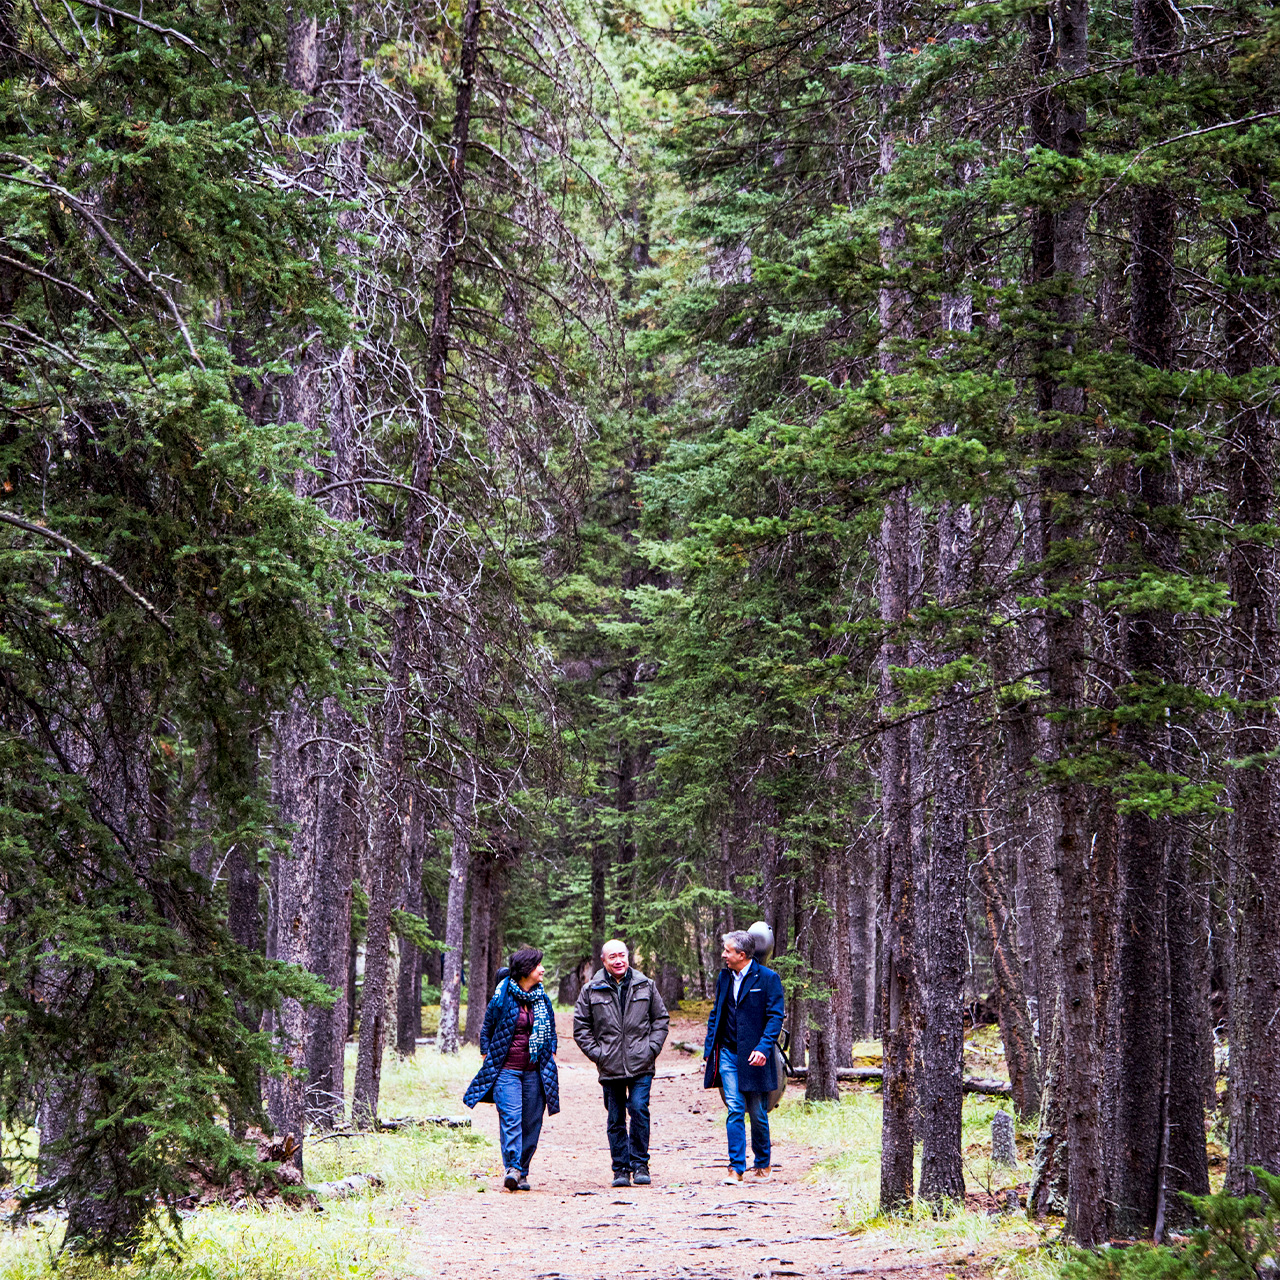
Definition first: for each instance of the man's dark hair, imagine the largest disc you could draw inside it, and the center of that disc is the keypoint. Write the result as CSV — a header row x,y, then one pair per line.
x,y
524,962
740,940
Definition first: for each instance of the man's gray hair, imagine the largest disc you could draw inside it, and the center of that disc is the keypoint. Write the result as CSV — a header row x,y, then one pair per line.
x,y
740,940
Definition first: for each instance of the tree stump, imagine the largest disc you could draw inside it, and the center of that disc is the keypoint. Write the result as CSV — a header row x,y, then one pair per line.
x,y
1003,1150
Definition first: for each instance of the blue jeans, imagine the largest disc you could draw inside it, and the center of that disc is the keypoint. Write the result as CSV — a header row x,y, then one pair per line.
x,y
623,1098
750,1103
518,1097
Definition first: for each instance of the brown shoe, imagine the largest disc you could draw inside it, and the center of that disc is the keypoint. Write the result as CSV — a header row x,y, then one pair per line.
x,y
760,1173
733,1179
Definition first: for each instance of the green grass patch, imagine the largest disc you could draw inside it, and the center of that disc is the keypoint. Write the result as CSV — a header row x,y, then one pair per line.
x,y
846,1134
359,1238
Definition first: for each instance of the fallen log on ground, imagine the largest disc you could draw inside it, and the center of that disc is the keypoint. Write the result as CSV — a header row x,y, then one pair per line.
x,y
393,1124
352,1185
971,1084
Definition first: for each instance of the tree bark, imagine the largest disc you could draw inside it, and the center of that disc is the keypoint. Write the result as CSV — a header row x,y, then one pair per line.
x,y
497,923
942,1039
1253,840
1048,1190
330,922
1016,1031
1066,484
409,976
863,912
459,875
899,1000
434,912
1185,1166
899,982
797,1017
822,1083
386,851
482,874
295,872
842,993
599,904
244,922
1138,1033
625,803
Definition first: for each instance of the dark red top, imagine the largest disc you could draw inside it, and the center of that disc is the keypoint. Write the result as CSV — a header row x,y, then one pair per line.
x,y
518,1054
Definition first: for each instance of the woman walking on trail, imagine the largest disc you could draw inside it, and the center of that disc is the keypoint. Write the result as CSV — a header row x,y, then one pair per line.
x,y
518,1074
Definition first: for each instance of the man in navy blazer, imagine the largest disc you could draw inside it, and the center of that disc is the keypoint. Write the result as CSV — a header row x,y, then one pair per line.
x,y
744,1026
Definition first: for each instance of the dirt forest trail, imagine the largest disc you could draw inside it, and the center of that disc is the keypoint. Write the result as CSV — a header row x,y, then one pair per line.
x,y
688,1224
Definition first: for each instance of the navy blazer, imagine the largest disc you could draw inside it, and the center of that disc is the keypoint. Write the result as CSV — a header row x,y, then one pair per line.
x,y
759,1025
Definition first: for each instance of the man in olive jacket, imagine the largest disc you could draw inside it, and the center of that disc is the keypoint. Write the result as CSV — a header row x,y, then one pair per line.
x,y
620,1023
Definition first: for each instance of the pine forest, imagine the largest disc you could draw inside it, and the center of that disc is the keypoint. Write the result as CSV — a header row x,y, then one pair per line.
x,y
493,472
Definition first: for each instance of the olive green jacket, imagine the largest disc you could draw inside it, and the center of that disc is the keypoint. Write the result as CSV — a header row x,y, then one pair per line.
x,y
623,1045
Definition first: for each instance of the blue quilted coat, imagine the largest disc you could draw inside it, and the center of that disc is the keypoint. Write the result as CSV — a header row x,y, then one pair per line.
x,y
495,1040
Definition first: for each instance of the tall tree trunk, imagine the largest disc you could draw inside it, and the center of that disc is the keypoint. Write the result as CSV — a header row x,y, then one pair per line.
x,y
797,1016
294,870
1016,1032
625,802
244,921
386,852
497,929
899,982
409,976
822,1084
1032,814
863,912
329,920
454,926
1138,1032
899,998
434,913
243,911
842,992
1185,1163
482,875
942,1039
1066,485
1048,1190
1254,840
599,904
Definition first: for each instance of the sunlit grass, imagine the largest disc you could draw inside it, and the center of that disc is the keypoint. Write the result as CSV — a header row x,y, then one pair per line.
x,y
847,1136
359,1238
349,1240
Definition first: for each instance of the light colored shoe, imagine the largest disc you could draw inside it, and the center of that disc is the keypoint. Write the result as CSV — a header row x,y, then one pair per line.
x,y
733,1179
761,1173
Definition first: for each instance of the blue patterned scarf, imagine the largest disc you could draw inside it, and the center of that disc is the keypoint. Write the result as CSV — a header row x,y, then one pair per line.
x,y
540,1036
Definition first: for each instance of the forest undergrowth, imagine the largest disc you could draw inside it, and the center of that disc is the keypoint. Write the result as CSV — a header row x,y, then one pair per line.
x,y
353,1239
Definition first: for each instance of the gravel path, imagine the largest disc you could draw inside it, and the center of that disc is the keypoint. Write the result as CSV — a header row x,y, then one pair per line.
x,y
574,1225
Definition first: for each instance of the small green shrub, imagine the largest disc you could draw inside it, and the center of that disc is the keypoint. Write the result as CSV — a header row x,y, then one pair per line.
x,y
1237,1240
